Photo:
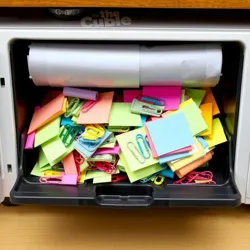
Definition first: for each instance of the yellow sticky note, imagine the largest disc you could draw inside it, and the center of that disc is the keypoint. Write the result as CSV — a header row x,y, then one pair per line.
x,y
207,113
196,153
82,177
218,135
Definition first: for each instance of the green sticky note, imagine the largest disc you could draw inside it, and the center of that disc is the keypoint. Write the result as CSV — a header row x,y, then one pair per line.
x,y
121,166
139,174
42,160
129,147
103,179
36,171
47,132
120,115
193,115
196,94
84,166
218,135
98,174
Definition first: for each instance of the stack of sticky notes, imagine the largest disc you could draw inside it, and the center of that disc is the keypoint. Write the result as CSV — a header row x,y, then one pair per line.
x,y
144,135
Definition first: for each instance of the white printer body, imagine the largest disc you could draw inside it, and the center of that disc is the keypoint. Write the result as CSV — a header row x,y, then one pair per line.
x,y
11,31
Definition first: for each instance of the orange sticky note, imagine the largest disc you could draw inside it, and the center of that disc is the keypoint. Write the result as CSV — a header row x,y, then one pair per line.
x,y
209,98
69,164
48,112
207,113
99,113
193,165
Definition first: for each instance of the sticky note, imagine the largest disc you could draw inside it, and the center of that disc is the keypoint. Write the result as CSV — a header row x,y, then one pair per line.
x,y
218,136
66,121
98,174
42,160
130,95
47,132
81,178
196,94
85,149
69,164
193,115
113,151
203,143
48,112
193,165
170,133
173,157
141,173
84,166
129,148
209,98
99,113
197,152
207,114
36,171
121,115
55,150
172,95
103,179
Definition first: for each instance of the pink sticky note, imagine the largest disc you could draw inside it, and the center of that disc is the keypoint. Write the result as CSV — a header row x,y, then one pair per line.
x,y
69,165
130,95
113,151
31,137
154,154
99,113
172,95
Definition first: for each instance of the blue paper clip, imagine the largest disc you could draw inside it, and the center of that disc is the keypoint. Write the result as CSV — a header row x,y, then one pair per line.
x,y
152,100
141,137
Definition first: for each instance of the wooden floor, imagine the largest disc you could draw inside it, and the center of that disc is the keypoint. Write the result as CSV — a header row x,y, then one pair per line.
x,y
75,228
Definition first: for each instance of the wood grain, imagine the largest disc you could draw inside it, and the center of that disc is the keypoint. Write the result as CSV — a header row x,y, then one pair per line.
x,y
221,4
63,228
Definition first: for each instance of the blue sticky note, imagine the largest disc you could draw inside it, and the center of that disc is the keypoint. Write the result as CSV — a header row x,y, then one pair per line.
x,y
167,173
144,118
85,150
203,143
165,159
65,121
170,133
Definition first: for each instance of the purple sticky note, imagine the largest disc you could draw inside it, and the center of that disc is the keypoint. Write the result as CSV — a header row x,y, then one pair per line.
x,y
172,95
130,95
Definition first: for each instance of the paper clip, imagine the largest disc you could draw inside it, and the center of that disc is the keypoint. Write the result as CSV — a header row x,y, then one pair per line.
x,y
135,152
102,158
141,137
88,105
93,132
118,129
205,177
59,180
58,168
89,145
138,107
119,177
149,178
151,100
158,180
73,104
79,159
69,133
52,173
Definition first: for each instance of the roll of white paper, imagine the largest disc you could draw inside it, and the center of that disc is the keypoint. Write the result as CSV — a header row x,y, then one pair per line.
x,y
197,65
124,66
111,66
